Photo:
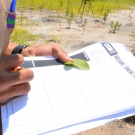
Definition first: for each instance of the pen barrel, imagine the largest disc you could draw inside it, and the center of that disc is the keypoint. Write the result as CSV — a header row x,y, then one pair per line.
x,y
13,5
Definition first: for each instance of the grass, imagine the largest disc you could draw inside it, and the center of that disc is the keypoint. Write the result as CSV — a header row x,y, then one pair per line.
x,y
134,35
98,6
54,38
22,36
98,9
22,21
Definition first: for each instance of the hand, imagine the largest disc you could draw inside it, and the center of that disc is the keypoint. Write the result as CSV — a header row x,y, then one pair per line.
x,y
13,83
47,50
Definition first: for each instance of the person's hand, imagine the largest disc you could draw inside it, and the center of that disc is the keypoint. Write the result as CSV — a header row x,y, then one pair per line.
x,y
46,50
41,50
13,83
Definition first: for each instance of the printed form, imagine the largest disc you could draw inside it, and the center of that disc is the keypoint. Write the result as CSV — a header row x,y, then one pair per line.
x,y
62,97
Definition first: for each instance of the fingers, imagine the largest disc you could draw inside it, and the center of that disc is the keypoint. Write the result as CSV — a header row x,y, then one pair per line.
x,y
14,91
9,78
13,84
18,77
47,50
64,57
58,52
18,90
12,61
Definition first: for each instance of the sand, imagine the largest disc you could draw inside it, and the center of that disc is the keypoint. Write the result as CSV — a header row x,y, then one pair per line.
x,y
53,27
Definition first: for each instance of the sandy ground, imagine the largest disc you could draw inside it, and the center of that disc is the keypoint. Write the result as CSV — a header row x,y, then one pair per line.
x,y
53,27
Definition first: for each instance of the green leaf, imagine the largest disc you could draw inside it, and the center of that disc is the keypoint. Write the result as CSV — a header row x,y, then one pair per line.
x,y
69,63
81,64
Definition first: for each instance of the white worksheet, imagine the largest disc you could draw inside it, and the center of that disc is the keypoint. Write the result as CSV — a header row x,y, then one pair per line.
x,y
62,97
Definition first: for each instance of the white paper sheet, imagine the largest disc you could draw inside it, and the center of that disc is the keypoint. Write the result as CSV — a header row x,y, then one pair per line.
x,y
62,97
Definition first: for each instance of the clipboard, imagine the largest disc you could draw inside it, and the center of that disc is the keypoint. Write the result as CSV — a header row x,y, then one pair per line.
x,y
7,24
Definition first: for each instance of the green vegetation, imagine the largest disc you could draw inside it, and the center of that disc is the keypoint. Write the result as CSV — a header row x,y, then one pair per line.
x,y
133,34
53,38
114,26
69,15
78,63
22,21
96,8
84,25
22,36
99,6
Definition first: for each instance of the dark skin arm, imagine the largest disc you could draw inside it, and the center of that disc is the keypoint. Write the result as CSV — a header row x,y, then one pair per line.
x,y
12,83
41,50
15,83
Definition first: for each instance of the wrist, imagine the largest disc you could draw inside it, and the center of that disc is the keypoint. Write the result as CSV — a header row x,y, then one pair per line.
x,y
18,49
29,51
10,47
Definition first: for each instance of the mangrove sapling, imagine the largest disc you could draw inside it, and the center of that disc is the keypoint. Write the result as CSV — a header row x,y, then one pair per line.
x,y
130,19
50,9
84,26
106,13
60,6
31,8
31,12
114,26
69,16
118,25
21,11
41,9
21,15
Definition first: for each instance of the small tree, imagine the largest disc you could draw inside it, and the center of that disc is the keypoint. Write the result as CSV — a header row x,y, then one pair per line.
x,y
130,19
69,16
118,25
112,26
84,26
106,15
61,4
115,26
41,8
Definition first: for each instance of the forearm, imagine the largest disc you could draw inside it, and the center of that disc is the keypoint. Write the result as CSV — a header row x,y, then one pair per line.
x,y
10,47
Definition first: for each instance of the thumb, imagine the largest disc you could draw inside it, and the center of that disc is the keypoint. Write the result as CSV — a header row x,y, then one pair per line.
x,y
12,61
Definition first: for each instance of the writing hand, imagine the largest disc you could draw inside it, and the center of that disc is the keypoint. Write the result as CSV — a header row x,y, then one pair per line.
x,y
13,84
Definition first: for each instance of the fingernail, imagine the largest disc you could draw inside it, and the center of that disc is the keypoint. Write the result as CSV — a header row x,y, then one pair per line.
x,y
70,59
16,69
